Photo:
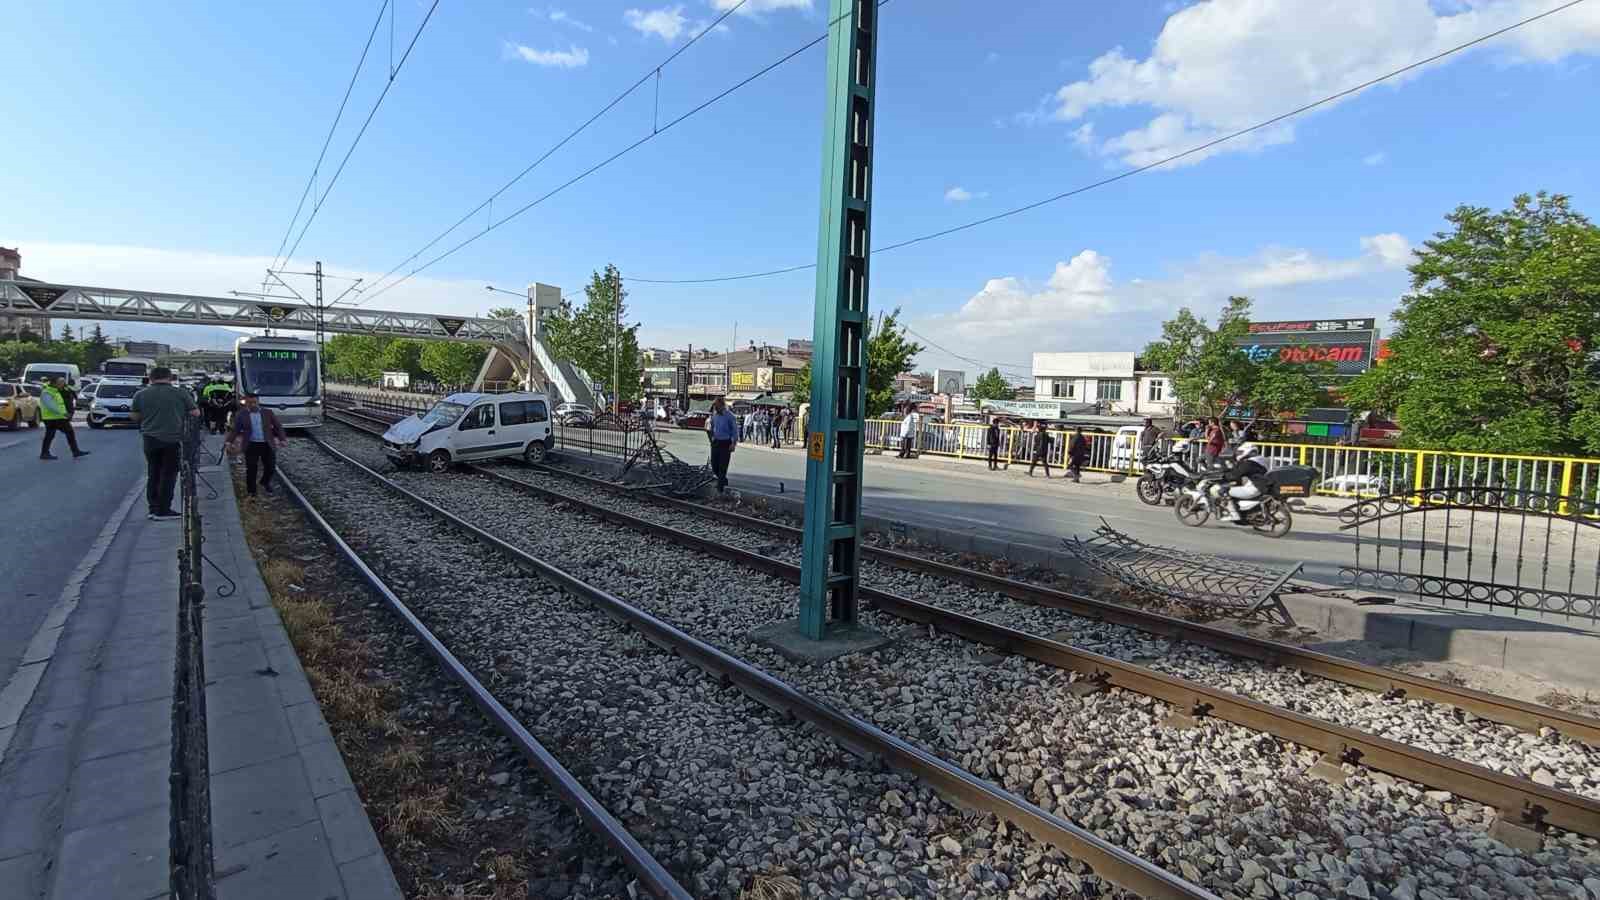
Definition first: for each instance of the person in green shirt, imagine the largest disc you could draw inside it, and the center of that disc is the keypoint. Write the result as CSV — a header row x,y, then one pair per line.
x,y
57,415
160,410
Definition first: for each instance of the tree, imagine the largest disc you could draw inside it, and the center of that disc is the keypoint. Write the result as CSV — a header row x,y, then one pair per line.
x,y
1494,348
586,335
991,386
355,357
453,363
802,384
97,349
1210,373
403,355
505,312
889,352
66,331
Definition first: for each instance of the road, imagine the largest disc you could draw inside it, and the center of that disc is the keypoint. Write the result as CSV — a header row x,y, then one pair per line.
x,y
53,512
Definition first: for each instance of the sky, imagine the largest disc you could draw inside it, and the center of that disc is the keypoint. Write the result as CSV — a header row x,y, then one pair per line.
x,y
164,147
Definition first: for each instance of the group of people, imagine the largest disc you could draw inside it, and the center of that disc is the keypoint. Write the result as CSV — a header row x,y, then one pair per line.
x,y
1214,436
160,409
1035,442
772,427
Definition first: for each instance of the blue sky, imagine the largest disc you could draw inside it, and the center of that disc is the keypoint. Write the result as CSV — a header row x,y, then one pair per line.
x,y
163,147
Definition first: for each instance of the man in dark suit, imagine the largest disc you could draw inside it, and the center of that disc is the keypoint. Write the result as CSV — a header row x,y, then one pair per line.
x,y
257,432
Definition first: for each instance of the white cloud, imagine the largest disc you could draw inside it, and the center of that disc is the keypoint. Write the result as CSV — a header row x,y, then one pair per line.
x,y
574,57
752,7
1277,267
666,23
561,17
959,194
1220,65
1374,159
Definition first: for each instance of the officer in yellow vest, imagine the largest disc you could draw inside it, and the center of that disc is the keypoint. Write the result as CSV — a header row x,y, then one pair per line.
x,y
57,416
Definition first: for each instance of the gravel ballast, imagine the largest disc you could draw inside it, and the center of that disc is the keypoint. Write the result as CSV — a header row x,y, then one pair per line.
x,y
1230,808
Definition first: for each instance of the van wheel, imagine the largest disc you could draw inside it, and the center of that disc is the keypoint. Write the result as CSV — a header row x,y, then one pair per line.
x,y
534,454
438,462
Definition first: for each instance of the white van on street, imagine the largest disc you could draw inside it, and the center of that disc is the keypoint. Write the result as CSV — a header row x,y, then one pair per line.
x,y
37,373
473,428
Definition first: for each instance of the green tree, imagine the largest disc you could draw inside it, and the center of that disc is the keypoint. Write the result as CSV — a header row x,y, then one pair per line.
x,y
1210,373
991,385
66,331
506,312
97,349
355,357
802,385
1494,346
402,355
450,362
889,352
586,335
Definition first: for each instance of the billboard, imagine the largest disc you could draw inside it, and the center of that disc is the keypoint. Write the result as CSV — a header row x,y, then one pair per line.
x,y
798,347
1349,345
949,381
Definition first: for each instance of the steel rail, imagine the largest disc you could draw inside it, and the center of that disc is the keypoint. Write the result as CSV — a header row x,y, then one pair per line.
x,y
1119,866
1505,710
652,875
1517,800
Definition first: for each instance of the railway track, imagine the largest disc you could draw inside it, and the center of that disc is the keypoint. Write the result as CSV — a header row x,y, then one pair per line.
x,y
1541,806
1519,801
921,862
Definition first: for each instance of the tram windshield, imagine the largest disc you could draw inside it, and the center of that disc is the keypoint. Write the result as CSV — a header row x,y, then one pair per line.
x,y
272,372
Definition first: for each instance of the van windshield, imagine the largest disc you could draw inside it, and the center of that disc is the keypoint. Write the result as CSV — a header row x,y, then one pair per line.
x,y
443,413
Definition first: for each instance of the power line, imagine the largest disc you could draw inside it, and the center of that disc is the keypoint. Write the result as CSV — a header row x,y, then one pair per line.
x,y
1199,148
317,207
312,178
620,153
654,72
967,359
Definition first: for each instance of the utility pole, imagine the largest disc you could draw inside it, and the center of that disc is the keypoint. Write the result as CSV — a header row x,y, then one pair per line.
x,y
529,380
835,446
321,357
616,328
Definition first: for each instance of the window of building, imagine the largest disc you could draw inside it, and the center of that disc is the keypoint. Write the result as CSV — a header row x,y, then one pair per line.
x,y
1158,390
1060,388
1109,389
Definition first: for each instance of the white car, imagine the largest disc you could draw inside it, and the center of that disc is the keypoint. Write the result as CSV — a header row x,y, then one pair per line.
x,y
473,428
113,398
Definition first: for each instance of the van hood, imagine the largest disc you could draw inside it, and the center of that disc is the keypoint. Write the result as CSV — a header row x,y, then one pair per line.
x,y
406,430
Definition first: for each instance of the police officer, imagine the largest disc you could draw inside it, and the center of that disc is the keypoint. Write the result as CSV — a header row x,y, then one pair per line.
x,y
217,398
56,411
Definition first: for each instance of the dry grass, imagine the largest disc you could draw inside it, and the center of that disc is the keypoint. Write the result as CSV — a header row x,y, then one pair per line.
x,y
401,760
423,815
771,886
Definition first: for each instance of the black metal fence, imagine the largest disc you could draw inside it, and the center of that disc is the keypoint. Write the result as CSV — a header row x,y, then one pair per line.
x,y
190,844
1496,547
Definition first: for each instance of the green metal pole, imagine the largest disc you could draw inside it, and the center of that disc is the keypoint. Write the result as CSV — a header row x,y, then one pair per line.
x,y
835,445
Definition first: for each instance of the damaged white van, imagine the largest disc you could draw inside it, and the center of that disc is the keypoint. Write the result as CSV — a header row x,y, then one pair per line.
x,y
473,428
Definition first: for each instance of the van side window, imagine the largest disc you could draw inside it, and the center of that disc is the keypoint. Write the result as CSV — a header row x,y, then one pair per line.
x,y
537,411
513,413
480,417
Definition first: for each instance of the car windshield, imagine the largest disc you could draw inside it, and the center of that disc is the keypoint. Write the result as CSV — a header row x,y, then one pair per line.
x,y
33,389
115,391
443,413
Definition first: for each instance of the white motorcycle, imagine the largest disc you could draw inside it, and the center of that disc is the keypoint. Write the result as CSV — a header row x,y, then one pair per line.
x,y
1268,513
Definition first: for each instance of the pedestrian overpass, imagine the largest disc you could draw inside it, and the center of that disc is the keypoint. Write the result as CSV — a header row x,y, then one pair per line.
x,y
509,359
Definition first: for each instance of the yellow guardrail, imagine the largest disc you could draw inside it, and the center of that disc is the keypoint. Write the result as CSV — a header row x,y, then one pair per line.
x,y
1345,471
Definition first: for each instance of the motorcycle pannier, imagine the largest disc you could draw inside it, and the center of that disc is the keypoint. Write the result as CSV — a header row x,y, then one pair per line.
x,y
1294,481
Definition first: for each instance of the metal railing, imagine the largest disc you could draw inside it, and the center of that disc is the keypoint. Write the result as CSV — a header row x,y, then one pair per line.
x,y
615,441
1345,471
190,837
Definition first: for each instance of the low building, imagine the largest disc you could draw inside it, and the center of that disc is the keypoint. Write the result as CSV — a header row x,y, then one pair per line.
x,y
1116,383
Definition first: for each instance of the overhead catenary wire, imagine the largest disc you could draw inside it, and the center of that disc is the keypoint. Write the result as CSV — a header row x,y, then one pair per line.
x,y
1137,170
967,359
311,179
663,129
654,72
393,74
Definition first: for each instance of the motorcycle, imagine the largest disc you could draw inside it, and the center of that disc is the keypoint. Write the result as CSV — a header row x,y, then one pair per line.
x,y
1269,513
1166,473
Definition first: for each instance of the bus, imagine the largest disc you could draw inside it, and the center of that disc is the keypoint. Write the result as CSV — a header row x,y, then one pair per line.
x,y
285,373
128,367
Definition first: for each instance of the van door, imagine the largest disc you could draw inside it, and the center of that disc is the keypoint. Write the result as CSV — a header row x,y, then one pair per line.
x,y
523,422
477,435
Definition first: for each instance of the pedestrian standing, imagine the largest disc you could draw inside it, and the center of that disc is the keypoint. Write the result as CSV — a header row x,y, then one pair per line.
x,y
1214,442
1149,437
775,423
908,432
257,432
56,404
1040,447
161,409
723,430
1077,455
991,438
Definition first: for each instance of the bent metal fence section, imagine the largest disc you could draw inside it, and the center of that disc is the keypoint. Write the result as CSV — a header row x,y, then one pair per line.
x,y
1492,547
1214,583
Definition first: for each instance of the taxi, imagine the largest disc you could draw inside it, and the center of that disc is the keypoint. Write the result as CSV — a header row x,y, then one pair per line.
x,y
18,406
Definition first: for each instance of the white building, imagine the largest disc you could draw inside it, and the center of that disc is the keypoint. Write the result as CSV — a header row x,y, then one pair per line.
x,y
1114,380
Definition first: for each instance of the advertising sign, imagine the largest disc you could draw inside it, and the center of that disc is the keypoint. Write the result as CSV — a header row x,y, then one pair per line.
x,y
745,380
1027,409
1348,345
949,381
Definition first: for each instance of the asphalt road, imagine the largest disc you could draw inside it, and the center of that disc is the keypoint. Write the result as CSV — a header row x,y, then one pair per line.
x,y
52,512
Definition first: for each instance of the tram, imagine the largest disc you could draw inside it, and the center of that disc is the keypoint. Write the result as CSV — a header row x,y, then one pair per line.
x,y
285,373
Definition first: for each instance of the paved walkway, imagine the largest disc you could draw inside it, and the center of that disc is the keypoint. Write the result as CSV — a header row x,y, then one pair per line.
x,y
86,735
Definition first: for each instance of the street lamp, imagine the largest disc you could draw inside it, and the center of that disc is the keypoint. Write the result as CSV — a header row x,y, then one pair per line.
x,y
528,381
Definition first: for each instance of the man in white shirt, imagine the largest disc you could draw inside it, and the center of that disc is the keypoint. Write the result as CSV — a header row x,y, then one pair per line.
x,y
908,432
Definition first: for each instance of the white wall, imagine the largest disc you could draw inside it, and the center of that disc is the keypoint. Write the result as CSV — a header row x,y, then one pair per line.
x,y
1084,365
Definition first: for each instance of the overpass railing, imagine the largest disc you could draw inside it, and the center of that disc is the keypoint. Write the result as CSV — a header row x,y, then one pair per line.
x,y
1345,471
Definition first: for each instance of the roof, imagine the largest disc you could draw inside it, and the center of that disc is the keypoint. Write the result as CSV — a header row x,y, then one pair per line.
x,y
468,398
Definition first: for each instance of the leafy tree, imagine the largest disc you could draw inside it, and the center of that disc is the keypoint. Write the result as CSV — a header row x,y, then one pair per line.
x,y
1495,345
506,312
586,335
355,357
991,385
403,355
1210,374
889,352
802,384
97,349
453,363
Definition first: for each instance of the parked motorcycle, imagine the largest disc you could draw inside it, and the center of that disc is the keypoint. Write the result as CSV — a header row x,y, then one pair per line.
x,y
1166,473
1268,514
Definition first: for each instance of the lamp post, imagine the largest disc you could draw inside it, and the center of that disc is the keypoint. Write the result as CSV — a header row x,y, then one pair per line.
x,y
528,379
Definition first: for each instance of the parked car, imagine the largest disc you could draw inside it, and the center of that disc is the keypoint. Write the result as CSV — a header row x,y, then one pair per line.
x,y
574,415
18,406
473,428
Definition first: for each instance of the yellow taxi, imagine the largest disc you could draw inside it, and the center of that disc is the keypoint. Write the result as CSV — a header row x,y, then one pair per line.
x,y
18,405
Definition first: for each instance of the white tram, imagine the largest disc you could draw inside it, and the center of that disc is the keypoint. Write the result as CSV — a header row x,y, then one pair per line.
x,y
285,373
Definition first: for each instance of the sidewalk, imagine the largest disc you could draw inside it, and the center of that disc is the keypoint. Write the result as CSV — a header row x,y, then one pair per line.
x,y
86,730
